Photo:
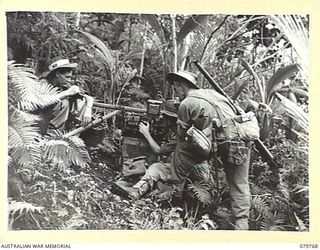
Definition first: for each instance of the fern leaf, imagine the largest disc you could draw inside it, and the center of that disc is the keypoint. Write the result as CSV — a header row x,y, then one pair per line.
x,y
224,213
79,154
22,206
29,92
261,206
66,150
272,223
201,169
76,222
166,195
10,162
301,226
22,138
200,189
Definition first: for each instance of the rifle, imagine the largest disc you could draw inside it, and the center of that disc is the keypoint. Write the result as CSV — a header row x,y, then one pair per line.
x,y
93,123
265,153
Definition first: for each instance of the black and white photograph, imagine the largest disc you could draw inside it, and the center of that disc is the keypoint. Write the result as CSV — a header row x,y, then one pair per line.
x,y
157,121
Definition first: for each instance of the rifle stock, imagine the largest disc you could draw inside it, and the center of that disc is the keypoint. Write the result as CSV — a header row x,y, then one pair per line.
x,y
265,153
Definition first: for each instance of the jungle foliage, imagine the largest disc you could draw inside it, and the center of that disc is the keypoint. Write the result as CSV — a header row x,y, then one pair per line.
x,y
60,183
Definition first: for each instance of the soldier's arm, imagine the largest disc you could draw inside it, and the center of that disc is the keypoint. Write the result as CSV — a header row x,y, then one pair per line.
x,y
144,130
87,114
183,123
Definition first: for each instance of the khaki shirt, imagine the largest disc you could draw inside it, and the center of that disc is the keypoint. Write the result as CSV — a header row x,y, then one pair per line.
x,y
196,110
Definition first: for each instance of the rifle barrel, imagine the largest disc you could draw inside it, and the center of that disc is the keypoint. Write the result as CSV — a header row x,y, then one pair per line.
x,y
94,123
211,80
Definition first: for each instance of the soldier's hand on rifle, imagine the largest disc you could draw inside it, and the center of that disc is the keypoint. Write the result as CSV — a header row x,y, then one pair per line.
x,y
86,118
87,114
144,128
73,90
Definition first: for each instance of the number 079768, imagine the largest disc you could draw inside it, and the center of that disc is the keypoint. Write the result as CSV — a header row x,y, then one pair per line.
x,y
308,246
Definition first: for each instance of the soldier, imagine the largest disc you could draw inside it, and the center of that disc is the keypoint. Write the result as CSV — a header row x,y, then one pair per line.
x,y
199,107
174,173
72,102
164,151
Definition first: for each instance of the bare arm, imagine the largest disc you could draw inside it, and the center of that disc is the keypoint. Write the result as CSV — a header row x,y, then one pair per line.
x,y
73,90
87,115
144,129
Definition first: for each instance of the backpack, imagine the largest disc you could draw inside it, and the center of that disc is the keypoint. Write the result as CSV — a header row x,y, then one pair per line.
x,y
243,127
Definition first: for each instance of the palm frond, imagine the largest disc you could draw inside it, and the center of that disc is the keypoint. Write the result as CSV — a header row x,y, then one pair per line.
x,y
155,40
102,49
191,24
299,91
298,35
294,111
260,85
201,191
198,43
154,22
239,90
281,75
55,150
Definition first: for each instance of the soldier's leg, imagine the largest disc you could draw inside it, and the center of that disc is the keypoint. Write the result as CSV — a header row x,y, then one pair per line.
x,y
238,180
155,173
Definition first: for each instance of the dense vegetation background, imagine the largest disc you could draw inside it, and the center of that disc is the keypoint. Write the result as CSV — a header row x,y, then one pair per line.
x,y
58,182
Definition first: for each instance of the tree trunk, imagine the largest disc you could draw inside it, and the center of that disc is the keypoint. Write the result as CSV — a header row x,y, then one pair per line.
x,y
174,43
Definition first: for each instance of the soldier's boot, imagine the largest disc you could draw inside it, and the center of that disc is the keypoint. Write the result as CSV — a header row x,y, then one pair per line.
x,y
135,192
241,224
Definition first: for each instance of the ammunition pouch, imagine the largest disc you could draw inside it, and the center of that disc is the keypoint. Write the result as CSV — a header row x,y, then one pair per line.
x,y
237,152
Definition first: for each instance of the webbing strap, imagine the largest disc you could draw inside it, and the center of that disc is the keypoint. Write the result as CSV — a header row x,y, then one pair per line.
x,y
217,108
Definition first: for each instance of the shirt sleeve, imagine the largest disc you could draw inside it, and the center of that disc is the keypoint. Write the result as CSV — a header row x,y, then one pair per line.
x,y
168,148
183,122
